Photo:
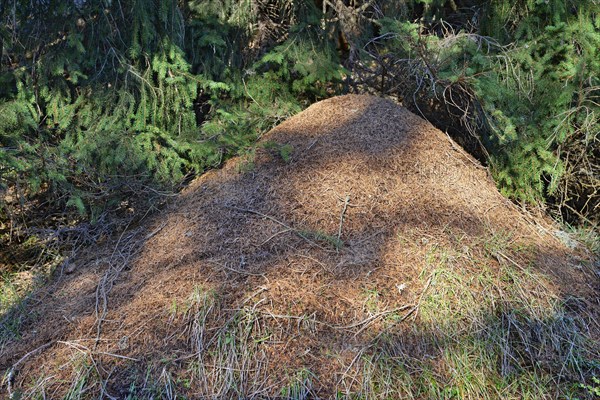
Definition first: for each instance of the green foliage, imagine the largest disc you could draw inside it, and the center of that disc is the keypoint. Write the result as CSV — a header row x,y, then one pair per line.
x,y
319,236
103,98
250,93
528,91
539,93
302,69
284,151
98,98
72,125
17,120
593,390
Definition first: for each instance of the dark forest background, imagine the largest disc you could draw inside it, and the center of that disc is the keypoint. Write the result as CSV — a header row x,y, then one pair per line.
x,y
109,107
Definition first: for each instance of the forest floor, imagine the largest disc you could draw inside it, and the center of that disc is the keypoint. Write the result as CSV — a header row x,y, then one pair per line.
x,y
357,252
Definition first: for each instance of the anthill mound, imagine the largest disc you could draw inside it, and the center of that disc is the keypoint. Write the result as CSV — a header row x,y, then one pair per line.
x,y
351,253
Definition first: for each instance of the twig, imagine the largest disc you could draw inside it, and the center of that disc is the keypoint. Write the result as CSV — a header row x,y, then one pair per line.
x,y
156,231
117,356
272,236
238,271
8,378
87,352
356,357
346,201
311,144
111,275
416,309
296,231
371,318
398,309
463,153
84,348
507,258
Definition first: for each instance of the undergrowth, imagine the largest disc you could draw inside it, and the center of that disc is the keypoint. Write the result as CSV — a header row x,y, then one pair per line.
x,y
487,325
486,329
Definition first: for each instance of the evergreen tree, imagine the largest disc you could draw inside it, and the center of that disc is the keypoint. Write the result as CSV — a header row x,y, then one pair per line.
x,y
99,98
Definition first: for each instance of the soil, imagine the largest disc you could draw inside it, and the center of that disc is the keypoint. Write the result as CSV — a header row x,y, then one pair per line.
x,y
301,240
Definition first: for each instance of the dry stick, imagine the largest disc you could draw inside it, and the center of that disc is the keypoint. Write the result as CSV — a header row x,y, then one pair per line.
x,y
523,269
156,231
273,235
86,351
8,378
385,313
366,322
117,356
408,314
374,340
81,347
240,271
346,201
296,231
111,275
312,144
41,384
464,153
371,318
101,289
358,355
416,308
